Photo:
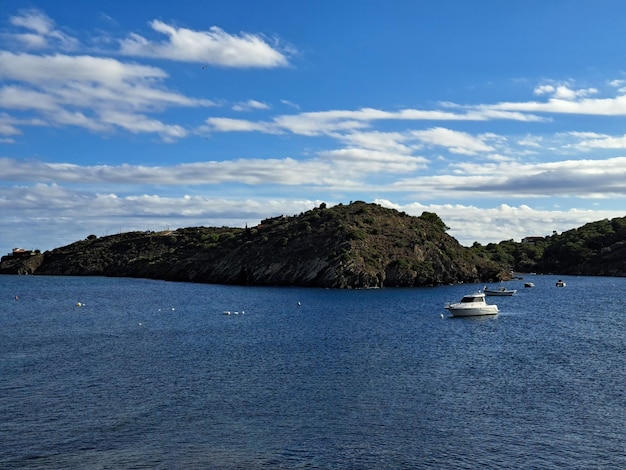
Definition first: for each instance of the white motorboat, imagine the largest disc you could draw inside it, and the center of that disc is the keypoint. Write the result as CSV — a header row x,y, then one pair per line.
x,y
500,291
472,305
529,284
560,283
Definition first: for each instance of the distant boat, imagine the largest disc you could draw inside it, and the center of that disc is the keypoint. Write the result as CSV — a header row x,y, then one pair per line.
x,y
472,305
560,283
501,291
529,284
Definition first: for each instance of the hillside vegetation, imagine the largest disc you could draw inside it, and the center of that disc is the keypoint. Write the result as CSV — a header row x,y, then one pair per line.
x,y
358,245
595,249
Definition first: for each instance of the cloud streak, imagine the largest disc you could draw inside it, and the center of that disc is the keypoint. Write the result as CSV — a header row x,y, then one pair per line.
x,y
98,94
349,169
214,47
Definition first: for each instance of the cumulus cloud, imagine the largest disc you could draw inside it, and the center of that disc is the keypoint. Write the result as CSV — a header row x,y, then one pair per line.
x,y
213,47
563,91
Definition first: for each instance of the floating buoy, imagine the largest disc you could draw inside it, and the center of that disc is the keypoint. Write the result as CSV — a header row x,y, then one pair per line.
x,y
299,303
78,304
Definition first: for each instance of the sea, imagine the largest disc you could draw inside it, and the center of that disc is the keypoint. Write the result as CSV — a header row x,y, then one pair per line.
x,y
110,373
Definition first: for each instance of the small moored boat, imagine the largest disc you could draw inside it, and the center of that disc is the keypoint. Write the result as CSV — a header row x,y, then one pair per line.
x,y
500,291
472,305
529,284
560,283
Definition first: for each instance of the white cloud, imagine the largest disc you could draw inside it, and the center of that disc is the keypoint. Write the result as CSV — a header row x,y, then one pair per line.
x,y
137,123
27,213
595,141
564,99
457,142
564,91
43,32
360,162
530,141
470,223
334,169
237,125
376,140
342,121
99,94
15,97
28,209
214,47
250,105
60,68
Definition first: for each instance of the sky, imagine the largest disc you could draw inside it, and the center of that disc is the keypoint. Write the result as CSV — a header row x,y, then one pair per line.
x,y
507,119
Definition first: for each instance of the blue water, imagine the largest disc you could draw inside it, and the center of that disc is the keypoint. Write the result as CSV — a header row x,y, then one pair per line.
x,y
151,374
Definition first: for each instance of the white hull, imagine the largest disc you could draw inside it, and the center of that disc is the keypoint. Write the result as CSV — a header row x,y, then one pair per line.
x,y
472,306
472,312
500,292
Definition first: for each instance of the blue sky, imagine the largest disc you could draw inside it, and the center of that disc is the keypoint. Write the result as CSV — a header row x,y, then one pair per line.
x,y
505,118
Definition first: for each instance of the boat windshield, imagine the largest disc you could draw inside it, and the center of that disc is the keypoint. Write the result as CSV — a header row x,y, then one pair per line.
x,y
471,299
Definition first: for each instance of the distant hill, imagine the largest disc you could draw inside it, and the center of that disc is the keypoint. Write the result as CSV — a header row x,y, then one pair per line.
x,y
595,249
358,245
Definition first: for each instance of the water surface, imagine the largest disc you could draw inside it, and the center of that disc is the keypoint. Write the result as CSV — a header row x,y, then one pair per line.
x,y
152,374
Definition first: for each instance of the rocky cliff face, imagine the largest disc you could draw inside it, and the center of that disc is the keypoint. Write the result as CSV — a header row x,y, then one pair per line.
x,y
22,264
347,246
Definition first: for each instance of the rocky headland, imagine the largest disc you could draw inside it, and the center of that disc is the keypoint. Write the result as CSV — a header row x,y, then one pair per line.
x,y
359,245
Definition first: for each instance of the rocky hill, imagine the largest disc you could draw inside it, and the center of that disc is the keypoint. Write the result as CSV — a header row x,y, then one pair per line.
x,y
595,249
358,245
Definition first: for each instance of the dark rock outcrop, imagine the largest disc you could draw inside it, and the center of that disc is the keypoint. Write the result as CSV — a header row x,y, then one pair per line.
x,y
347,246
